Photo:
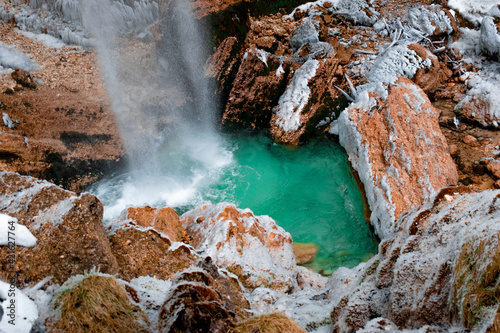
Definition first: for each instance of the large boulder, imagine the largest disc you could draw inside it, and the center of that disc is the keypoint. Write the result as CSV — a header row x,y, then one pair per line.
x,y
70,235
309,98
253,247
143,250
203,298
439,270
395,144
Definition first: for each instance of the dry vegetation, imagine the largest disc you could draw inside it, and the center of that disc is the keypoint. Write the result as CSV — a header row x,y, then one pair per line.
x,y
476,284
97,304
269,323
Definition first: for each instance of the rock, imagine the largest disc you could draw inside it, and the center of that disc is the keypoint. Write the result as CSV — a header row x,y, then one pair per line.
x,y
142,251
203,299
52,214
23,78
432,20
98,303
494,168
309,98
223,65
433,77
453,150
164,220
401,163
304,252
434,270
253,247
469,140
255,91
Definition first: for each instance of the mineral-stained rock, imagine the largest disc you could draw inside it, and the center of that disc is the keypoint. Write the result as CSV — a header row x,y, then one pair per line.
x,y
69,230
439,268
203,299
396,146
143,251
260,81
253,247
164,220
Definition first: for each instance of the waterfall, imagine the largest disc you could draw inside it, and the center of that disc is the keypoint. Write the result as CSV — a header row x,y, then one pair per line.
x,y
162,101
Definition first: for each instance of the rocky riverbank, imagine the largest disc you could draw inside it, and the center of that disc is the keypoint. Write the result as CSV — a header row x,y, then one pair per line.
x,y
409,90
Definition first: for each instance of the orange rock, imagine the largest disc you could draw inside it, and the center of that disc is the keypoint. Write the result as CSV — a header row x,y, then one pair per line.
x,y
164,220
403,157
494,168
469,139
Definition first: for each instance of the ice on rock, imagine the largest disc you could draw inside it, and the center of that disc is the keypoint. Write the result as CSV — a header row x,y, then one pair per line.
x,y
14,234
304,34
399,60
11,58
474,11
489,42
295,97
428,20
7,121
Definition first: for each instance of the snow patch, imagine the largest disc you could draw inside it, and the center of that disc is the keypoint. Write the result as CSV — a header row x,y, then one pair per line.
x,y
10,58
24,310
13,233
473,11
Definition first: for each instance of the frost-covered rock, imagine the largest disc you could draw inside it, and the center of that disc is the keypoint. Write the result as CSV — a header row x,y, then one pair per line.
x,y
203,298
395,144
433,20
474,11
145,251
489,43
439,269
482,102
256,89
311,96
253,247
52,215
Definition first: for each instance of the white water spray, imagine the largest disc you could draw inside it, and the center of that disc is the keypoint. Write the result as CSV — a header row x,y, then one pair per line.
x,y
161,99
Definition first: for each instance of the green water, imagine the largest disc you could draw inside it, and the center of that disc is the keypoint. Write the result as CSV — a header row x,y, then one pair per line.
x,y
309,191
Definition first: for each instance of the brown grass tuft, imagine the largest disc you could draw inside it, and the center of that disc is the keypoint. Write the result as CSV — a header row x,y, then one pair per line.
x,y
97,304
476,285
269,323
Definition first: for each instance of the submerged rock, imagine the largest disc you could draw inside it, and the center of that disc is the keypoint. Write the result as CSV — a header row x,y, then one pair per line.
x,y
401,162
439,269
304,252
52,215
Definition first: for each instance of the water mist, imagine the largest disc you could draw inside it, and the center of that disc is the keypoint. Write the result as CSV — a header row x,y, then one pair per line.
x,y
163,104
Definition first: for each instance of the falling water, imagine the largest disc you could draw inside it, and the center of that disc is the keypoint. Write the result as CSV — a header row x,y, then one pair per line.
x,y
161,99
